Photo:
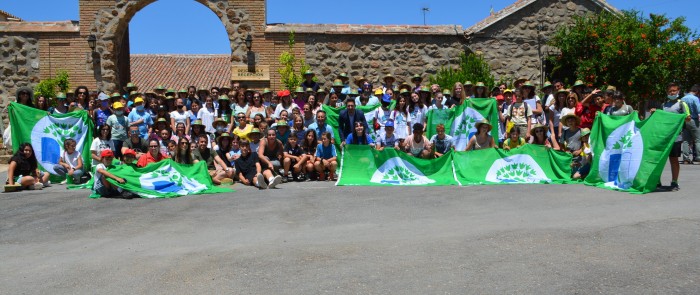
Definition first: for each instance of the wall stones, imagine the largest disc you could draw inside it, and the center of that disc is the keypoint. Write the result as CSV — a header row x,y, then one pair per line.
x,y
17,66
375,56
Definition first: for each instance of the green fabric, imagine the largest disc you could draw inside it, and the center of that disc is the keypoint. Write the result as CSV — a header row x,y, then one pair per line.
x,y
630,154
166,179
460,121
526,164
363,165
47,133
332,115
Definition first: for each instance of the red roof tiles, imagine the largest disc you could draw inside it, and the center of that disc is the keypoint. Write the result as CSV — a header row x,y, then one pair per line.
x,y
178,71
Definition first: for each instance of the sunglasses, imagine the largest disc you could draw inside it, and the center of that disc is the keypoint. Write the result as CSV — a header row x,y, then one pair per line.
x,y
240,118
153,146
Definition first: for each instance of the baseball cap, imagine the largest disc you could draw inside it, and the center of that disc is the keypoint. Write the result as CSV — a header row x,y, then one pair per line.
x,y
106,153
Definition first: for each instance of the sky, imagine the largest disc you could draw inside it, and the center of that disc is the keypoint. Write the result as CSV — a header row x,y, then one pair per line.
x,y
188,27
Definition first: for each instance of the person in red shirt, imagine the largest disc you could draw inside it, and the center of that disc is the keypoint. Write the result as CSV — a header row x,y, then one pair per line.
x,y
154,155
587,109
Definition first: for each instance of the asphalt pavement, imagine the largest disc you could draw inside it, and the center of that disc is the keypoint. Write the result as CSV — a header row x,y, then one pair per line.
x,y
314,238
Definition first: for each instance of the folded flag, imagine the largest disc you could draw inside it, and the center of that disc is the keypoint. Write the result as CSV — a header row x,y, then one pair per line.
x,y
460,121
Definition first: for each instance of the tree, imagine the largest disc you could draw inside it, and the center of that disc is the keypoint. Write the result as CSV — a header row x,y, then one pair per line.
x,y
47,87
636,54
472,67
290,76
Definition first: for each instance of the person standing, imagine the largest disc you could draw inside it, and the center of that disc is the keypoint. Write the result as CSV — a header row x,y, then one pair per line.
x,y
347,119
675,105
691,134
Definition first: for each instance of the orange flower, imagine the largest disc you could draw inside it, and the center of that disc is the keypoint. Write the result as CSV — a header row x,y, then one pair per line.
x,y
644,36
629,83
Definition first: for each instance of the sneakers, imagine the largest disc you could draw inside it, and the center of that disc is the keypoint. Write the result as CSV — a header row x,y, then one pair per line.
x,y
674,186
274,181
36,186
47,183
261,181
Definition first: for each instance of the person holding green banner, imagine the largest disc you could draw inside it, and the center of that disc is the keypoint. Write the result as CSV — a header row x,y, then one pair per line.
x,y
101,186
675,105
482,139
416,144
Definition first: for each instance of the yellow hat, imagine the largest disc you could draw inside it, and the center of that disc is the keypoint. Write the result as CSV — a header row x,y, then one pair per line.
x,y
138,99
378,91
118,105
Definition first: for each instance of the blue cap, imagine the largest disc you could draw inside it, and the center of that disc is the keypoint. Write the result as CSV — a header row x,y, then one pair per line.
x,y
386,98
389,123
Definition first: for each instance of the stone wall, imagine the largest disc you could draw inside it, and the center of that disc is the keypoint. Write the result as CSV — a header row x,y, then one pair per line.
x,y
19,65
510,45
374,51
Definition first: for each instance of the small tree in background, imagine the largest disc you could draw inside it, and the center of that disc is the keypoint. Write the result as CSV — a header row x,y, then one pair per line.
x,y
48,87
472,67
290,76
636,54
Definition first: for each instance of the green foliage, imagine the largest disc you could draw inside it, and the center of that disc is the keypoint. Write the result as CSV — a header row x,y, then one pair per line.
x,y
290,76
638,55
48,87
472,67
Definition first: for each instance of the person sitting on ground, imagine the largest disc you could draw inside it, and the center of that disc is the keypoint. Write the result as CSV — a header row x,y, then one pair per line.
x,y
481,140
255,136
580,170
282,129
359,136
135,142
218,170
441,142
308,146
416,144
129,157
271,151
154,154
184,152
538,136
102,142
388,138
70,164
294,158
223,143
23,169
326,157
235,151
251,171
243,128
514,140
101,186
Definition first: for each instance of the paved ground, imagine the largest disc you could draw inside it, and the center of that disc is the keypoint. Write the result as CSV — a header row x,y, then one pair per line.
x,y
310,238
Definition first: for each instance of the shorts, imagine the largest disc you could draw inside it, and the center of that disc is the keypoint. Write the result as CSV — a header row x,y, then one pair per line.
x,y
676,150
107,192
250,177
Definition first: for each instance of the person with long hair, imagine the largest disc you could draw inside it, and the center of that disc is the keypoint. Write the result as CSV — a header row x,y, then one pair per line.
x,y
180,115
181,132
286,103
23,169
401,116
308,146
43,104
25,96
458,95
183,154
538,136
480,90
417,107
82,97
482,139
256,107
359,136
207,115
102,142
334,100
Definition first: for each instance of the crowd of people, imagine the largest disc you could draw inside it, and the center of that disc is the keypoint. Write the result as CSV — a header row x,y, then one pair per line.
x,y
264,138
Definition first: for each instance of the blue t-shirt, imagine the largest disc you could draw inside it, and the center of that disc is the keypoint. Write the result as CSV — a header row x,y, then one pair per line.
x,y
147,121
350,138
325,152
101,117
321,130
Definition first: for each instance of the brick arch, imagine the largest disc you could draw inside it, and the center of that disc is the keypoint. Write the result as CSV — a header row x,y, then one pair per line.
x,y
111,24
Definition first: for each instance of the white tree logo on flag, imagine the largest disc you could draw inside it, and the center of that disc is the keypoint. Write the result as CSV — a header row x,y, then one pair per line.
x,y
622,156
396,171
464,127
168,180
48,136
520,168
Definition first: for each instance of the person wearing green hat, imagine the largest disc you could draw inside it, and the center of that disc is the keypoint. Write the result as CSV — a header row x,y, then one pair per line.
x,y
309,81
341,89
61,104
547,97
321,95
345,89
366,97
388,82
299,97
482,139
468,90
159,90
480,90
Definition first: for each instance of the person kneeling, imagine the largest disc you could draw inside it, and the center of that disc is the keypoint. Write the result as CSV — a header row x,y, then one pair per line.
x,y
103,187
251,171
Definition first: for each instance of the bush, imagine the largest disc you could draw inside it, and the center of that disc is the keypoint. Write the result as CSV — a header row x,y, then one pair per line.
x,y
636,54
472,67
290,77
47,87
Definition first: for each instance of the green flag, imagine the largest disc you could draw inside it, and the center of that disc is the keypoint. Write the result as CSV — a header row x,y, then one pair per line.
x,y
47,133
460,121
166,179
363,165
527,164
332,115
630,154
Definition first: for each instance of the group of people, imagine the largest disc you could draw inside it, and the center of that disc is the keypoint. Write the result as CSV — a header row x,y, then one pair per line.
x,y
263,138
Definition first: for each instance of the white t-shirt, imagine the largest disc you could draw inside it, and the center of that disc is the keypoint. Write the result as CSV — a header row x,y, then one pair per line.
x,y
71,159
98,145
180,117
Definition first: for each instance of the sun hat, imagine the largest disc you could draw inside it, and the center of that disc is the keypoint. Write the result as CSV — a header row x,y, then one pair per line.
x,y
360,81
115,95
197,123
571,115
528,84
131,85
170,90
468,83
299,90
353,92
309,72
447,92
266,91
321,90
106,153
388,76
585,131
159,87
404,91
133,93
343,76
519,81
218,121
118,105
378,91
183,90
480,84
416,77
309,89
424,89
138,100
202,89
222,136
60,95
224,97
282,123
255,130
338,83
482,122
578,83
547,84
534,128
161,120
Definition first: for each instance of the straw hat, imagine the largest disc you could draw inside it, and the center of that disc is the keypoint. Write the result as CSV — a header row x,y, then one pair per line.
x,y
483,122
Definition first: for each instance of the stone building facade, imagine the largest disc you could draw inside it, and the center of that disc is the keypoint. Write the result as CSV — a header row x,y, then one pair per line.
x,y
508,39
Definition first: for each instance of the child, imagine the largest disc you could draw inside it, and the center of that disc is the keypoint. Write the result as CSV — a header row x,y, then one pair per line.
x,y
101,186
514,140
441,142
388,139
580,170
250,170
235,151
293,155
129,157
326,157
71,163
172,148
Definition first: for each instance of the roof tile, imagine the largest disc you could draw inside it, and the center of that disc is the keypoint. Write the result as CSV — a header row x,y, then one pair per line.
x,y
180,70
